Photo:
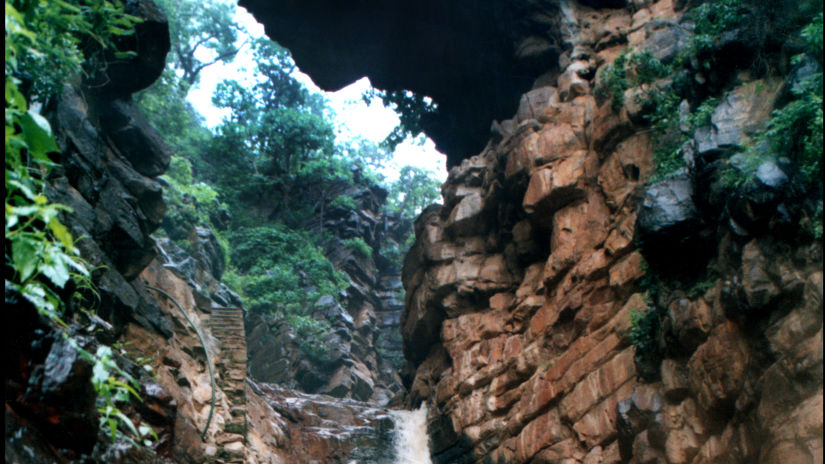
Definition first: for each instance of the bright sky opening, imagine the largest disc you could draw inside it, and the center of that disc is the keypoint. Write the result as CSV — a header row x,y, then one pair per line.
x,y
353,117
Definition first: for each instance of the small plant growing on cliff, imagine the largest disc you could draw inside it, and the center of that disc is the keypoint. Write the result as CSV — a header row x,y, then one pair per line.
x,y
358,245
643,334
702,116
712,19
112,390
311,332
643,327
793,131
629,70
344,201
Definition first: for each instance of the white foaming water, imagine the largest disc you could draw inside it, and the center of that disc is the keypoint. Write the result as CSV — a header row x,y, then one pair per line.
x,y
411,440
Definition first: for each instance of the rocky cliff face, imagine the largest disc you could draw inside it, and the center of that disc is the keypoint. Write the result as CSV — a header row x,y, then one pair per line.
x,y
522,286
527,292
361,343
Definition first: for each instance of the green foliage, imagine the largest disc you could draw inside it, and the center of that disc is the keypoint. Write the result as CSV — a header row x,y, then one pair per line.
x,y
47,42
276,121
358,245
629,70
793,131
644,327
311,332
280,268
115,386
203,33
711,20
702,116
415,189
38,247
189,203
344,201
812,37
165,106
664,124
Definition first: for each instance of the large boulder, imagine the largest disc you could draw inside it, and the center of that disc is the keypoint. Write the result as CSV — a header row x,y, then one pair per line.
x,y
669,226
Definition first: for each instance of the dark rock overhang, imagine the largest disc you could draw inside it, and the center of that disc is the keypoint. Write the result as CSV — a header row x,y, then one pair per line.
x,y
474,58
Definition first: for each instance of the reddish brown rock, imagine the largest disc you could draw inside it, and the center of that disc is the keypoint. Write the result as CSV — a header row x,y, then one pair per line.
x,y
556,185
717,369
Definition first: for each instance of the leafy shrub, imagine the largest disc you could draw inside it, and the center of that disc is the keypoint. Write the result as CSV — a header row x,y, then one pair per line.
x,y
311,332
644,325
793,131
712,19
282,268
702,116
113,385
629,70
358,245
189,203
344,201
51,41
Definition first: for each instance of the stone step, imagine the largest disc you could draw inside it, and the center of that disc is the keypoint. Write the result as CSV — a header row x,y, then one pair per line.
x,y
236,427
234,335
231,337
229,333
237,327
238,315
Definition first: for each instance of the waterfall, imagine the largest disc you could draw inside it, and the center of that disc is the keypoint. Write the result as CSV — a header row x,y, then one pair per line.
x,y
411,440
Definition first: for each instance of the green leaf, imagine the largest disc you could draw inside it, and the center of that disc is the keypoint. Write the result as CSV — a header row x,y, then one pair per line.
x,y
27,191
126,387
55,268
40,298
126,421
25,210
99,373
112,429
62,234
24,255
38,134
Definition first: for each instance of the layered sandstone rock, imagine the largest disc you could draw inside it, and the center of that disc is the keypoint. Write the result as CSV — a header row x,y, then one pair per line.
x,y
520,288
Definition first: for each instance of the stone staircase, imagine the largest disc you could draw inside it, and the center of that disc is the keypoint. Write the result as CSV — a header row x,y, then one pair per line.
x,y
227,325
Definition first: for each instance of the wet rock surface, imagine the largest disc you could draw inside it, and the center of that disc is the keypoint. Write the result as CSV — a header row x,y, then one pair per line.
x,y
324,428
519,289
518,328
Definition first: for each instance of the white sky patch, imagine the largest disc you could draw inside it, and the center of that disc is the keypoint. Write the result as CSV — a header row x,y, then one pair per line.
x,y
353,117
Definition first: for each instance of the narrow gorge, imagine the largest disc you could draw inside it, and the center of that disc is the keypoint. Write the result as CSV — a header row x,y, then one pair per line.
x,y
625,264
